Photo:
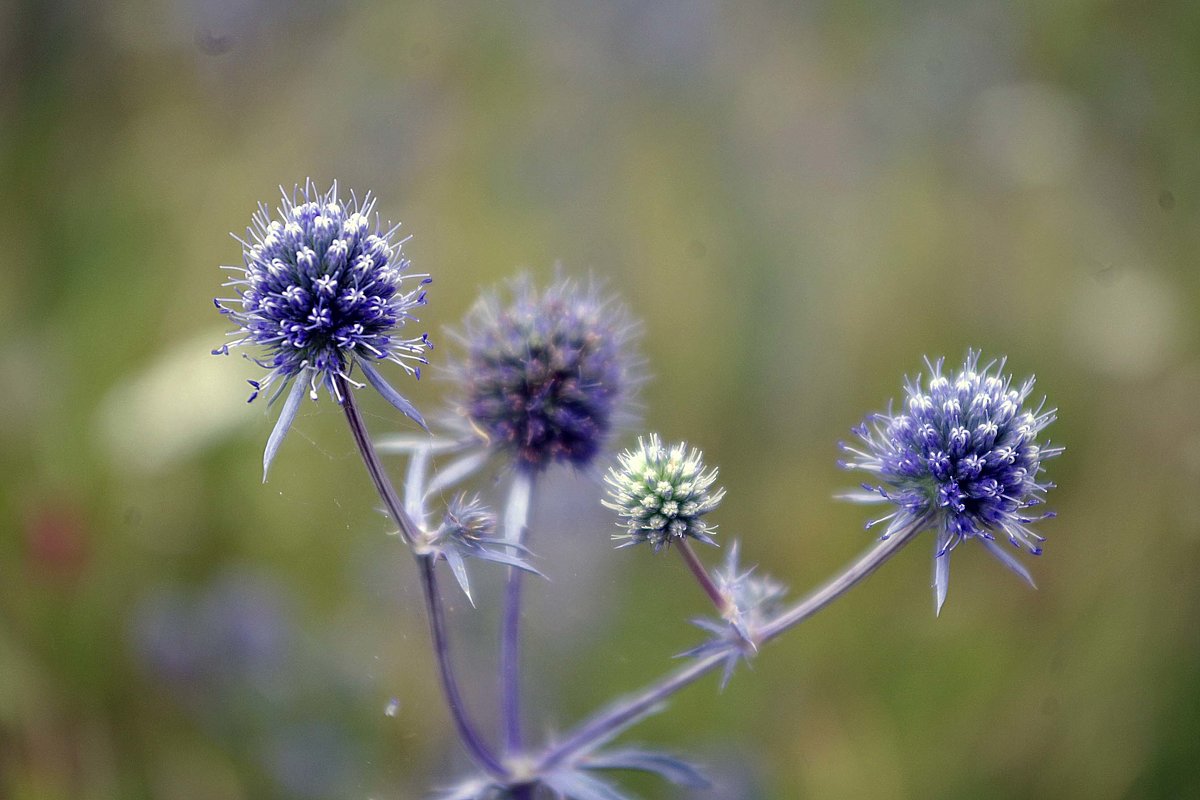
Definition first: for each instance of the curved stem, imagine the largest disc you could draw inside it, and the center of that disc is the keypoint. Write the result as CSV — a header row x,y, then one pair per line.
x,y
467,730
458,710
620,713
516,520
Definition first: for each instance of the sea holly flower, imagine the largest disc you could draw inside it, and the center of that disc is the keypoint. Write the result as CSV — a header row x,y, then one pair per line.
x,y
961,456
546,372
319,293
662,494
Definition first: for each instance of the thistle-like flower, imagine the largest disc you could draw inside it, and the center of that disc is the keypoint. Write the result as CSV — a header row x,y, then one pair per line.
x,y
546,373
320,292
662,495
962,457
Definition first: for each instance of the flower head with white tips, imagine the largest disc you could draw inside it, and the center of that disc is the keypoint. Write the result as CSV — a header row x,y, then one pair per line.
x,y
962,456
662,494
320,292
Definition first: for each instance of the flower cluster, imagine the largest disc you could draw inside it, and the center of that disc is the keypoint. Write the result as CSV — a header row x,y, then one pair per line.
x,y
546,373
662,494
545,377
963,457
319,292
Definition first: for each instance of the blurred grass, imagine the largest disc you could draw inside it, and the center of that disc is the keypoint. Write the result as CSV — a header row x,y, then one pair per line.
x,y
798,202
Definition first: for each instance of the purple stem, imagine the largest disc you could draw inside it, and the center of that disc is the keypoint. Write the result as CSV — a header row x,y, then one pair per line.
x,y
437,629
620,713
467,731
510,661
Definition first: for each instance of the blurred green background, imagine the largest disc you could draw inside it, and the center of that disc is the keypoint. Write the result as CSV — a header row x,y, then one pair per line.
x,y
799,200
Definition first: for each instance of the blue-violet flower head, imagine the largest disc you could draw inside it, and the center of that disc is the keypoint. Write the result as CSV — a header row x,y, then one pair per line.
x,y
962,456
320,291
547,372
662,494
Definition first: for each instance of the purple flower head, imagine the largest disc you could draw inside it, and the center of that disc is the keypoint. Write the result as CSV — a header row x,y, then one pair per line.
x,y
962,456
318,293
546,372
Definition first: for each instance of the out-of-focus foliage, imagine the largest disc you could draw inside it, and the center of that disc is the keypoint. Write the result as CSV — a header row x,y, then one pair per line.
x,y
798,199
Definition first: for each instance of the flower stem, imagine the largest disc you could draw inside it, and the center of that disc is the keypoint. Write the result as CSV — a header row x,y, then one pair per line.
x,y
437,629
705,580
610,720
467,730
383,484
516,521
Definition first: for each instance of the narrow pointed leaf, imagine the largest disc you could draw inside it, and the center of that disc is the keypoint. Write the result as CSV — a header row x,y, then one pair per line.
x,y
414,483
673,769
863,497
1009,560
286,415
731,662
456,471
508,560
459,568
400,443
941,577
391,395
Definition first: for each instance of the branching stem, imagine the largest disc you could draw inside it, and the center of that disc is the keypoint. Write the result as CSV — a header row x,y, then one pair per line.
x,y
603,724
468,732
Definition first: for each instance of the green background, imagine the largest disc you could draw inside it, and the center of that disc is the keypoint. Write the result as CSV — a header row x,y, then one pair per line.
x,y
798,200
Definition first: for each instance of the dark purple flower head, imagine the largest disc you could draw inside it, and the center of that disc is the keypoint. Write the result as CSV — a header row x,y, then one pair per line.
x,y
963,457
546,373
320,292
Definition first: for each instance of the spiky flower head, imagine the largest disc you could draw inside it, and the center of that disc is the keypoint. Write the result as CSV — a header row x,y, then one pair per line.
x,y
468,531
320,291
546,372
962,456
662,494
468,519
